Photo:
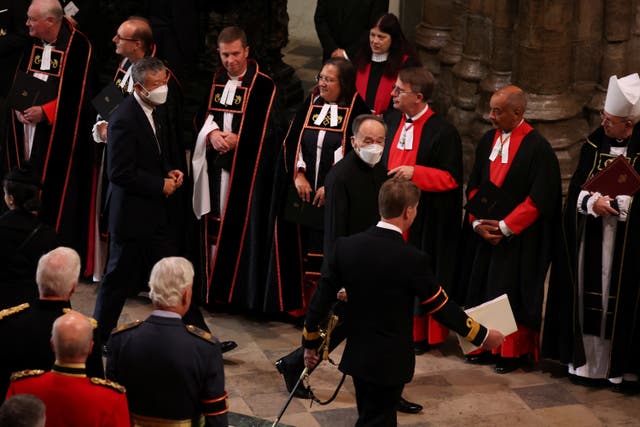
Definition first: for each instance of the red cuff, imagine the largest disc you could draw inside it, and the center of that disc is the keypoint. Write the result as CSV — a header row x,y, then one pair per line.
x,y
525,214
433,179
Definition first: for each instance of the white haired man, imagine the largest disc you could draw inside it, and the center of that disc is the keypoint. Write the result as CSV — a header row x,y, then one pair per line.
x,y
28,326
173,372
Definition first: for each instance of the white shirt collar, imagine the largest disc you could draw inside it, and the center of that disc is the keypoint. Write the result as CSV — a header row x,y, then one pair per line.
x,y
148,109
379,57
388,226
164,313
421,113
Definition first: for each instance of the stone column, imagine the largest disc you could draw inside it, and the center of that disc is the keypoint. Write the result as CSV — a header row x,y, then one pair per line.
x,y
616,52
468,72
543,58
433,32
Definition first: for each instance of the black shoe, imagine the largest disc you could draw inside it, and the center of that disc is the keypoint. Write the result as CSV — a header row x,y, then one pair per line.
x,y
290,380
504,365
626,387
421,347
227,346
484,358
408,407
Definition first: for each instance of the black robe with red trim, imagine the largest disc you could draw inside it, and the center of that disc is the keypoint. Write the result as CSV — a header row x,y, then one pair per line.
x,y
518,265
284,281
562,336
56,155
436,229
236,273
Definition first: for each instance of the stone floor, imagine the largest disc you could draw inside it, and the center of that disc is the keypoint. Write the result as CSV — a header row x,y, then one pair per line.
x,y
453,393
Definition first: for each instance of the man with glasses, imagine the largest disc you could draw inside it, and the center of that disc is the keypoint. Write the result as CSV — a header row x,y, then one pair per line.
x,y
134,40
424,148
593,324
511,225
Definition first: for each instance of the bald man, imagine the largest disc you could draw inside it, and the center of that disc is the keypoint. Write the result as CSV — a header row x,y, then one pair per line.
x,y
46,133
69,396
507,242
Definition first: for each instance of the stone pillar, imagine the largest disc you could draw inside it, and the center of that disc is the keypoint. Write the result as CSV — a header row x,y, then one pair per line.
x,y
449,56
543,59
615,51
432,33
467,74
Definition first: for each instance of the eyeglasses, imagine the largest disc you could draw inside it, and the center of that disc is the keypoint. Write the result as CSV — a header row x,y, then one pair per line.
x,y
607,121
399,91
119,37
321,78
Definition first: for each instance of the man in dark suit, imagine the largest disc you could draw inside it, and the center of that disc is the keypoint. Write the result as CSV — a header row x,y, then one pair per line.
x,y
25,330
382,274
140,182
173,372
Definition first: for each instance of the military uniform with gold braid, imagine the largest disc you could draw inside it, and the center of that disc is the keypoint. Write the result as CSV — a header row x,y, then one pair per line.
x,y
25,331
173,372
72,399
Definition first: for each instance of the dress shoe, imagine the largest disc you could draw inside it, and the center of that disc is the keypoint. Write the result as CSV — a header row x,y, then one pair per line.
x,y
626,387
588,382
504,365
227,346
484,358
421,347
408,407
290,380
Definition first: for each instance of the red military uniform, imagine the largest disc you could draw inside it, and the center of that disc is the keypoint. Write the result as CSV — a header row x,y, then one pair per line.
x,y
72,399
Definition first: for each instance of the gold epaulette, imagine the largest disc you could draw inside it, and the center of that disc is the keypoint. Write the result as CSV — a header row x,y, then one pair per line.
x,y
201,333
26,374
111,384
126,326
13,310
93,321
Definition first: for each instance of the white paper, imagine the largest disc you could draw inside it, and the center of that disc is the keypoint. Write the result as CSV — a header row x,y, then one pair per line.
x,y
494,314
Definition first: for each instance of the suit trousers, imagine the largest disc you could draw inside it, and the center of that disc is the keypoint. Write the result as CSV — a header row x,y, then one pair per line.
x,y
376,403
130,263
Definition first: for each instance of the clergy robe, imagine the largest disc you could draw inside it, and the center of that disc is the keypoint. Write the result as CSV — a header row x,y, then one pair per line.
x,y
235,270
374,86
284,285
518,264
437,158
574,302
55,155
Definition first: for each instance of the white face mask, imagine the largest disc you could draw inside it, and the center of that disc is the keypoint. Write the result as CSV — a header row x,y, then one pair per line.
x,y
157,96
370,153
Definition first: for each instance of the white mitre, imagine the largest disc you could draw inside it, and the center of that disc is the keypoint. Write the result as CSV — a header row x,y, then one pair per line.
x,y
623,96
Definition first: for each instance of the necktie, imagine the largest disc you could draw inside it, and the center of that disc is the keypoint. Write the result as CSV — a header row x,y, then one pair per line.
x,y
157,124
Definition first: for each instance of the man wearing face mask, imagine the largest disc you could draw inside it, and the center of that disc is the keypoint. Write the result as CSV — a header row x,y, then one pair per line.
x,y
141,180
426,149
351,206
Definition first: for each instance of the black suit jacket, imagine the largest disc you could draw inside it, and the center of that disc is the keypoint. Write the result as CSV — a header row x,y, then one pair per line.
x,y
382,275
136,169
